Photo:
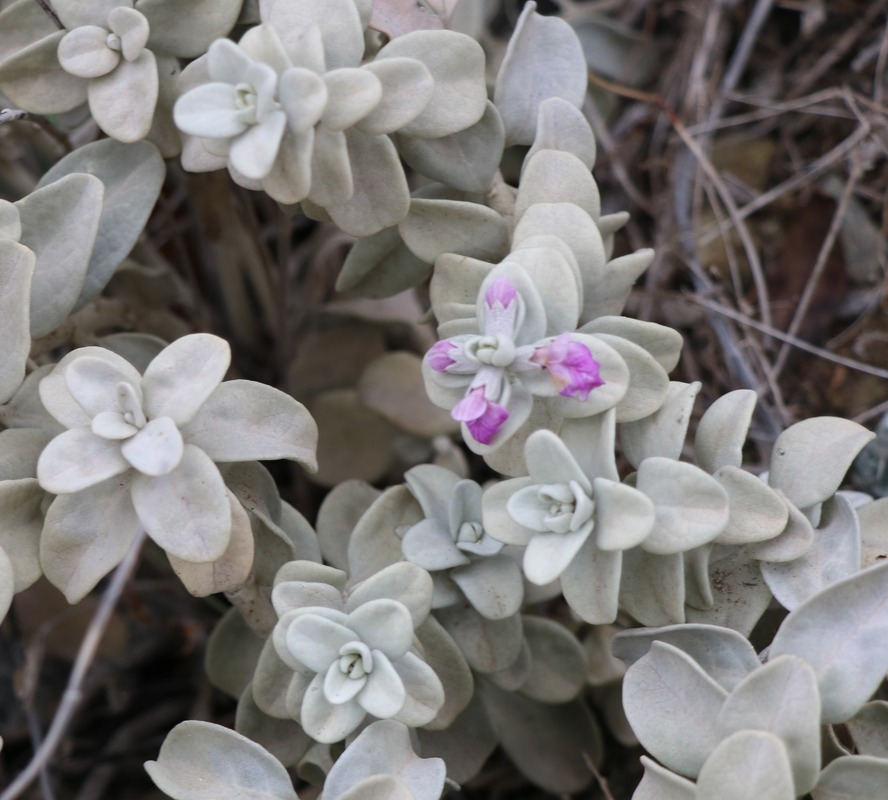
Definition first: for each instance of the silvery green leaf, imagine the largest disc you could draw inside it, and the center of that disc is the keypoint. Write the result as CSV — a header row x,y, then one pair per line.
x,y
183,375
232,652
407,87
541,739
434,227
186,511
202,761
78,459
381,265
663,343
289,595
338,515
757,512
612,283
465,745
557,664
740,595
658,783
623,516
338,21
552,176
87,534
666,690
32,77
488,645
21,522
747,764
722,430
20,449
444,657
663,432
455,285
652,587
7,584
562,126
851,778
466,160
648,381
869,729
187,30
691,506
780,698
374,544
553,275
381,197
10,221
133,175
724,655
253,485
16,271
123,101
544,59
351,95
384,749
873,519
23,23
231,569
73,13
850,660
409,585
591,583
456,63
834,555
792,543
425,692
245,420
283,738
433,486
84,52
271,682
809,459
592,443
492,585
378,787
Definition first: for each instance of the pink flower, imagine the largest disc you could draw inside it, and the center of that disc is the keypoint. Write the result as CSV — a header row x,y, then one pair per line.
x,y
500,291
439,356
573,369
483,417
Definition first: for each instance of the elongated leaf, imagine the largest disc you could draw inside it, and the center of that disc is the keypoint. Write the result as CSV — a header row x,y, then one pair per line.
x,y
434,227
842,632
659,783
16,270
722,430
852,778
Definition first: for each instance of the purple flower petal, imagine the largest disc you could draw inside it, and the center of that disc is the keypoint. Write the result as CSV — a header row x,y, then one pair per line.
x,y
439,356
483,417
572,367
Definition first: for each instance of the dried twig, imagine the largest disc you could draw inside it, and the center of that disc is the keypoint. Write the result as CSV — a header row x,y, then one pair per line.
x,y
74,691
47,9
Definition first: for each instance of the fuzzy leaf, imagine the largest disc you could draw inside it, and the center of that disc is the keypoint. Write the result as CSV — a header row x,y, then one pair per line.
x,y
16,271
869,729
203,761
810,459
551,176
834,555
851,778
133,175
747,764
562,126
434,227
244,420
663,432
664,690
544,59
722,430
658,783
842,632
757,512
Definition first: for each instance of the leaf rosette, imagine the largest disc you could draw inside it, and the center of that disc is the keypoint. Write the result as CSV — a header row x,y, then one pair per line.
x,y
139,452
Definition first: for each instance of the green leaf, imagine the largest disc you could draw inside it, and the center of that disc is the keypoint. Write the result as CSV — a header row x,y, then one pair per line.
x,y
16,271
850,660
203,761
133,175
